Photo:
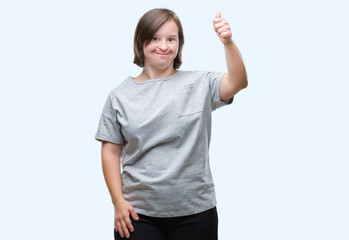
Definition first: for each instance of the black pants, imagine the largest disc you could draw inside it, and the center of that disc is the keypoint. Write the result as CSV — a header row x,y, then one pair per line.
x,y
201,226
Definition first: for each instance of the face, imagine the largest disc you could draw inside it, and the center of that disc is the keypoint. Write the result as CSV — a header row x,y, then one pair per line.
x,y
163,48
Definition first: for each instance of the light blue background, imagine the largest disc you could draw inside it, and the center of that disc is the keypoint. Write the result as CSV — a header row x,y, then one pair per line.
x,y
279,154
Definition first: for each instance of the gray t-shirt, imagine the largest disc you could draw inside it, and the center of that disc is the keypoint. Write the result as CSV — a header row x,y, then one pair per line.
x,y
165,128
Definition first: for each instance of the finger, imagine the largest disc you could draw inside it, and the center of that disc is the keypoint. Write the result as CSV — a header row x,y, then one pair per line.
x,y
221,24
129,225
217,20
134,214
221,28
224,29
115,226
125,229
226,35
121,232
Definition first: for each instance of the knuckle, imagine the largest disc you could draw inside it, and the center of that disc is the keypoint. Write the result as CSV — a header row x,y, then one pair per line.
x,y
126,232
121,217
124,226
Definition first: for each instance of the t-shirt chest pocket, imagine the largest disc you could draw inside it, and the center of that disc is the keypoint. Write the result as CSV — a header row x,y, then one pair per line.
x,y
190,99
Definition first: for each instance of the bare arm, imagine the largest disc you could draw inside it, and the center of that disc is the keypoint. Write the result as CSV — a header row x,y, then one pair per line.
x,y
111,154
236,78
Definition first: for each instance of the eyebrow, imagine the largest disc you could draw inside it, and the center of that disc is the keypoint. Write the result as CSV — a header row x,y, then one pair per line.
x,y
170,35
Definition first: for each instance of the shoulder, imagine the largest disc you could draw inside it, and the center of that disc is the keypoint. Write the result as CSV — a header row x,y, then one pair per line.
x,y
193,76
118,92
121,88
195,73
190,77
200,74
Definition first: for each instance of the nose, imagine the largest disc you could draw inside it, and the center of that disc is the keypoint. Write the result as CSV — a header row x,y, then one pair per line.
x,y
163,45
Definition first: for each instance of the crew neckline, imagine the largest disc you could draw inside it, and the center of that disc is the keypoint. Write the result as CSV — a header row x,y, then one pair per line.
x,y
154,80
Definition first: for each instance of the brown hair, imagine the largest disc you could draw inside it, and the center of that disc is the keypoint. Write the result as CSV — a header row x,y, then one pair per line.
x,y
147,27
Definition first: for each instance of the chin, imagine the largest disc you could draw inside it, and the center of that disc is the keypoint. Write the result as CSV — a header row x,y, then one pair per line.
x,y
164,67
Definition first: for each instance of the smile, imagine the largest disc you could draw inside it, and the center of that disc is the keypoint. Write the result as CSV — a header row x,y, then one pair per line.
x,y
163,54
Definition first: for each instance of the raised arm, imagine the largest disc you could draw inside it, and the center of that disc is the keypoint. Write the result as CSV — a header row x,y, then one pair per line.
x,y
236,78
111,154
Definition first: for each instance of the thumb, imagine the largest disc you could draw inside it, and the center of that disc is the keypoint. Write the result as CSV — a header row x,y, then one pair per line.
x,y
134,214
218,15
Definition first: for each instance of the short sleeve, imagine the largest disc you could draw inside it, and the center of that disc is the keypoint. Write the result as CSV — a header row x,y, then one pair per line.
x,y
108,128
214,80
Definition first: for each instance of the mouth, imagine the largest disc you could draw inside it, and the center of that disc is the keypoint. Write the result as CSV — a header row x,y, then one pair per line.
x,y
162,54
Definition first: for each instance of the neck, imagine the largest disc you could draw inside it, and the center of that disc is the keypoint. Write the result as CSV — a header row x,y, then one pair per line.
x,y
151,73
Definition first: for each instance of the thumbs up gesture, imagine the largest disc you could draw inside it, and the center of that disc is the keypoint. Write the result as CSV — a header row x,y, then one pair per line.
x,y
222,28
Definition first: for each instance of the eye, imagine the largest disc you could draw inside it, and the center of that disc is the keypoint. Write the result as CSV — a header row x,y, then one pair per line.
x,y
155,38
171,39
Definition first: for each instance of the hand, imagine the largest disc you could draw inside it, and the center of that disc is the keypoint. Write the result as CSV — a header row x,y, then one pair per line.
x,y
122,221
222,28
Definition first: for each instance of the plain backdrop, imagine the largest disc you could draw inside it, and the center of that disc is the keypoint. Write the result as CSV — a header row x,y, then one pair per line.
x,y
279,153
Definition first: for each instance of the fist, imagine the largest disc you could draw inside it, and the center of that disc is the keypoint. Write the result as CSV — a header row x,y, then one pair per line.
x,y
222,28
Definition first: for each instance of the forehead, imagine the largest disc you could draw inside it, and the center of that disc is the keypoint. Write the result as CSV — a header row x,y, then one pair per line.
x,y
168,28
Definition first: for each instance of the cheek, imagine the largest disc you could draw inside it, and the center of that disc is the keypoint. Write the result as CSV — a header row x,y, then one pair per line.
x,y
177,51
147,50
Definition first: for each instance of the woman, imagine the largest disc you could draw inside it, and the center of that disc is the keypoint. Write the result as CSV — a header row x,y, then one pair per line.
x,y
159,126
